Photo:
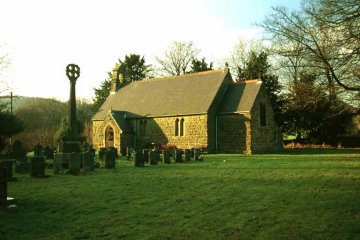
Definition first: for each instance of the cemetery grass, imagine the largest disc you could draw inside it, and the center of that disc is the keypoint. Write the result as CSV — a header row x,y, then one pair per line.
x,y
294,195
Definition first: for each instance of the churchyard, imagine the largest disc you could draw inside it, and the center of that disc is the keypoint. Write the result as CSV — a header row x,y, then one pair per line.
x,y
299,194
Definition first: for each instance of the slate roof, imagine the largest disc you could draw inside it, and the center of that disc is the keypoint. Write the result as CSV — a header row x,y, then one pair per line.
x,y
179,95
120,118
240,97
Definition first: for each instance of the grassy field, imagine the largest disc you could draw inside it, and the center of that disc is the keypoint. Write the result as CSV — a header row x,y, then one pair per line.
x,y
296,195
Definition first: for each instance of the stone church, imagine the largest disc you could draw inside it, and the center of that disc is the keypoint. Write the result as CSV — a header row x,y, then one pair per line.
x,y
202,110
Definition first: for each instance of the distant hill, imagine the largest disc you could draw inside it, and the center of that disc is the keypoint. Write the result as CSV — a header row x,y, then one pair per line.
x,y
22,101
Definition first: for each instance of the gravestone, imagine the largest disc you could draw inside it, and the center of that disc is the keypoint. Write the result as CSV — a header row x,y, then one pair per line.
x,y
19,154
197,156
74,163
8,164
192,150
37,166
187,155
102,153
110,158
58,163
49,152
146,156
154,157
178,155
138,158
71,142
38,150
3,186
129,152
88,161
166,156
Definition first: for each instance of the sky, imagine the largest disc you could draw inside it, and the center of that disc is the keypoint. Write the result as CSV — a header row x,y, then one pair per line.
x,y
41,37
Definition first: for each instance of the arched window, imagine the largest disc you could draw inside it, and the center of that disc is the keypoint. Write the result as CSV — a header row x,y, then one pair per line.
x,y
262,114
182,127
177,127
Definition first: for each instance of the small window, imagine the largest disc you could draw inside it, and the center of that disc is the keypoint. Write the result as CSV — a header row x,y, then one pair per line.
x,y
177,127
182,127
262,114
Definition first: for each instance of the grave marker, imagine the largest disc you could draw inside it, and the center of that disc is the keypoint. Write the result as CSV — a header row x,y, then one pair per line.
x,y
3,186
187,155
74,163
37,166
166,156
110,158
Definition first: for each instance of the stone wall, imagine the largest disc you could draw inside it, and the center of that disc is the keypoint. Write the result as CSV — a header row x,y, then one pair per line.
x,y
231,136
161,130
212,113
266,138
99,128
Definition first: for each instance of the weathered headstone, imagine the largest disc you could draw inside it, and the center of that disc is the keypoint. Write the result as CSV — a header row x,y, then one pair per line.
x,y
178,155
146,156
197,156
129,152
49,152
102,153
166,156
74,163
187,155
154,157
37,166
138,158
58,163
8,164
192,150
88,161
38,150
3,186
110,158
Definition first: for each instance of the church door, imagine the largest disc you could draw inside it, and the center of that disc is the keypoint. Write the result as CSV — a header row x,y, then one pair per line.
x,y
109,137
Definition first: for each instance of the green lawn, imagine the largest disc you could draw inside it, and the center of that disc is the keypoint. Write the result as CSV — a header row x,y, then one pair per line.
x,y
296,195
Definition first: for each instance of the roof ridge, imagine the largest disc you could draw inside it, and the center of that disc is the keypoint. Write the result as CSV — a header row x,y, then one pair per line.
x,y
257,80
181,76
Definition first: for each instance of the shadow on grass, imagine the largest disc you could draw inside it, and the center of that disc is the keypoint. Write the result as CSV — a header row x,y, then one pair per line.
x,y
319,151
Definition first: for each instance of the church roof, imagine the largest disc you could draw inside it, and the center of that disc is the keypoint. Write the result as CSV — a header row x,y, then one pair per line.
x,y
240,97
179,95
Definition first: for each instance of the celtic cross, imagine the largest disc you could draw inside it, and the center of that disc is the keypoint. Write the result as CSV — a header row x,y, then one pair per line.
x,y
73,73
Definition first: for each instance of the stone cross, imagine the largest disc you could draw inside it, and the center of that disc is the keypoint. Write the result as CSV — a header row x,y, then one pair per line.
x,y
73,73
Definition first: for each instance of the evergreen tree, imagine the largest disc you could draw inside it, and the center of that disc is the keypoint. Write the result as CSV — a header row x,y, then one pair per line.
x,y
134,68
257,67
200,65
102,93
9,126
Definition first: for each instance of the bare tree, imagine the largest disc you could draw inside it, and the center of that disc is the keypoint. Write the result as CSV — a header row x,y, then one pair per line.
x,y
326,33
4,64
240,55
177,59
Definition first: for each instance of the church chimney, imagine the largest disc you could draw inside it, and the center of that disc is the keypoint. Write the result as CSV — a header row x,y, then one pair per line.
x,y
121,78
115,79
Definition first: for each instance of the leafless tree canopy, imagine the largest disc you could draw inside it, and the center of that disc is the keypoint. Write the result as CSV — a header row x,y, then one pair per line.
x,y
324,35
177,59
